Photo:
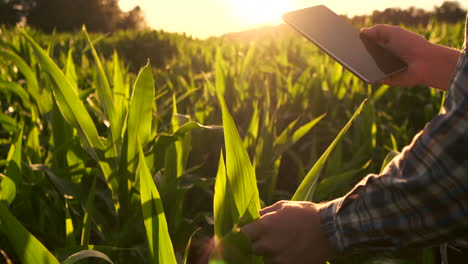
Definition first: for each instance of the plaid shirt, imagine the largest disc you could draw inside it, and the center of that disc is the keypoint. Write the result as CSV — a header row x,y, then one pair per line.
x,y
421,198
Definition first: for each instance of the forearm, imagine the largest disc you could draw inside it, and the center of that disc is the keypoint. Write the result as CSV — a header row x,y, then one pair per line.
x,y
440,66
421,198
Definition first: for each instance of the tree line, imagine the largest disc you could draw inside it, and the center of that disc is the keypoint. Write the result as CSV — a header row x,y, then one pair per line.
x,y
449,12
106,15
70,15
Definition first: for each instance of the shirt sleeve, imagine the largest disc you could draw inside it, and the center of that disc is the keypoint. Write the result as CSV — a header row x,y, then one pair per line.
x,y
421,198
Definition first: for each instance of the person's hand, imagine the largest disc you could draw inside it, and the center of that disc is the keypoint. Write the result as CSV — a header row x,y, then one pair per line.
x,y
428,64
289,232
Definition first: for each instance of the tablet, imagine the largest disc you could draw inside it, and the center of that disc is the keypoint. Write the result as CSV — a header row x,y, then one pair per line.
x,y
344,43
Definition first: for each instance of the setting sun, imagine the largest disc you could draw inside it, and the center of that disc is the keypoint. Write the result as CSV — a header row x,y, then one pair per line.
x,y
259,11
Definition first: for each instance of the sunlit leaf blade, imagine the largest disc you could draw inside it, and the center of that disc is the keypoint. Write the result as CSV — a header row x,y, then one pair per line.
x,y
165,139
288,137
252,131
64,253
13,175
74,112
69,229
27,247
119,91
70,71
332,186
307,187
69,103
87,254
392,154
160,248
140,114
104,93
240,172
224,208
300,132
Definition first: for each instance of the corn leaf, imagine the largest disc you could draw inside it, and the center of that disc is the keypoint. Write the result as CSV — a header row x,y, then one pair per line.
x,y
140,114
70,71
390,156
13,175
119,91
87,254
160,248
288,138
240,172
17,89
105,95
224,208
69,103
86,230
69,230
32,83
307,187
27,247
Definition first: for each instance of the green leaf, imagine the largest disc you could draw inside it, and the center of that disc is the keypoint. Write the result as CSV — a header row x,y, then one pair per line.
x,y
286,140
164,140
105,95
16,89
26,246
87,254
252,131
69,103
390,156
224,208
160,248
307,187
70,71
234,248
240,172
32,83
189,245
74,111
119,92
86,230
8,123
69,230
13,175
140,114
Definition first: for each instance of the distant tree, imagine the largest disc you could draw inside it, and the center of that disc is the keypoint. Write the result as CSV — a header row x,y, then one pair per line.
x,y
133,19
70,15
10,12
450,11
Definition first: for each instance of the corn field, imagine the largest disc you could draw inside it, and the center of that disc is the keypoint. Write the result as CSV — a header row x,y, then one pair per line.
x,y
107,157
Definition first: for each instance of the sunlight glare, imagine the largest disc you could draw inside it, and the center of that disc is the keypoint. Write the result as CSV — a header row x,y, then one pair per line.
x,y
259,11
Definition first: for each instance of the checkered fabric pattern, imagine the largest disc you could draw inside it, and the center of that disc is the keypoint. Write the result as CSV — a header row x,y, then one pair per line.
x,y
421,198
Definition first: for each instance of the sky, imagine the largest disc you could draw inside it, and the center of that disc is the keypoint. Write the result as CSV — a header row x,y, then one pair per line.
x,y
205,18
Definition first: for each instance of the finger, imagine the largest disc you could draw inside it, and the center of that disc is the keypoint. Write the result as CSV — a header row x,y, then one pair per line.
x,y
272,208
379,33
253,230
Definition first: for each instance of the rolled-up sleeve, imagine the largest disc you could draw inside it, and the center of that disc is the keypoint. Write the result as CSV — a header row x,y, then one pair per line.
x,y
421,198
